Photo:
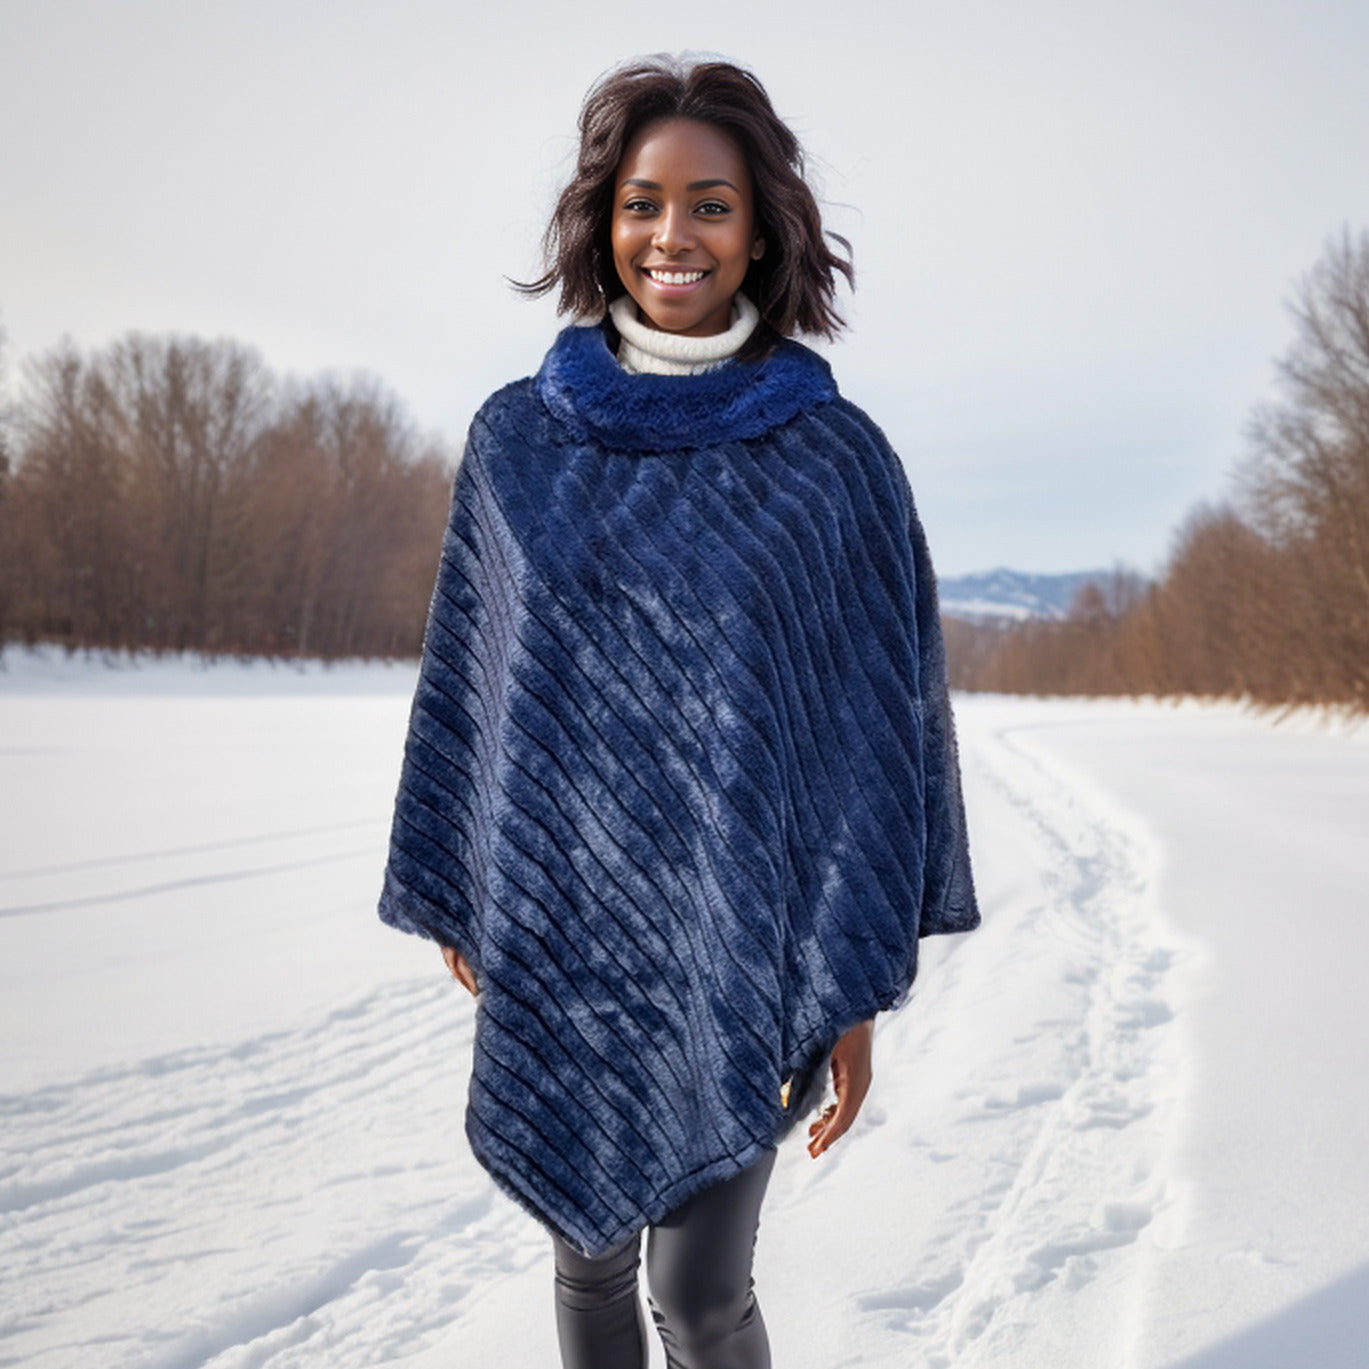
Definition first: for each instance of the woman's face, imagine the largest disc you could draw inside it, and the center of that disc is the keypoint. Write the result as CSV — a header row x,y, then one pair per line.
x,y
684,225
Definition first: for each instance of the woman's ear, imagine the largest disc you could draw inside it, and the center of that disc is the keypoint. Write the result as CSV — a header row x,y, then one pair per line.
x,y
758,248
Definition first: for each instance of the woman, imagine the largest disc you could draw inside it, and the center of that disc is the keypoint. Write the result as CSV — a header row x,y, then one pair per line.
x,y
680,791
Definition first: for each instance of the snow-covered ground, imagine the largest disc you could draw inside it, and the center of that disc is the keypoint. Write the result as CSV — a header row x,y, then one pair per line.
x,y
1123,1124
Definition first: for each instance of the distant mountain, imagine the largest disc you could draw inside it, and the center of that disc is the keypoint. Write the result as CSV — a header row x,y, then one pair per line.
x,y
998,595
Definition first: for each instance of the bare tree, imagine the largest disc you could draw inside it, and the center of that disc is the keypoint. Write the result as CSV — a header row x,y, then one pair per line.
x,y
170,493
7,566
1306,480
6,416
1266,598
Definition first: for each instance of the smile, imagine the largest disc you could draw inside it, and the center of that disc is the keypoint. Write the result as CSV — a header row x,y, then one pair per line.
x,y
673,277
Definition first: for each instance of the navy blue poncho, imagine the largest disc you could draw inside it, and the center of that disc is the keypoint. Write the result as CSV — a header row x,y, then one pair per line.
x,y
680,780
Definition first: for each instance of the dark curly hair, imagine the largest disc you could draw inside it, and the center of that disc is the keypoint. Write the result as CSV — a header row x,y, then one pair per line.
x,y
793,284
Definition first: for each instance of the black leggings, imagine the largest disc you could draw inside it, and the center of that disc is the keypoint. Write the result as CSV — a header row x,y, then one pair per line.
x,y
698,1264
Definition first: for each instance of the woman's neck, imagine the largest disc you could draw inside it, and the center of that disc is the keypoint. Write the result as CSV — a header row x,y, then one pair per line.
x,y
651,351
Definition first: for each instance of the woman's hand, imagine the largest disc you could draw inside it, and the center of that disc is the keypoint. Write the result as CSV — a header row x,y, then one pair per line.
x,y
460,967
852,1071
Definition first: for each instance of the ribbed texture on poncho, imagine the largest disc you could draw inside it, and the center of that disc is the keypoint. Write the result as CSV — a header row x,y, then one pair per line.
x,y
680,780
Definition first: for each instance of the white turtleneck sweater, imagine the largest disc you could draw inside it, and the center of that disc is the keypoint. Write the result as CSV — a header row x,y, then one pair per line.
x,y
649,350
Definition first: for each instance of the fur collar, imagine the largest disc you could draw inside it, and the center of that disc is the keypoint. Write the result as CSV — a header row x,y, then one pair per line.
x,y
582,384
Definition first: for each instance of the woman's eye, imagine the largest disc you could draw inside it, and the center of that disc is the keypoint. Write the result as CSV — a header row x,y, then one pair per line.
x,y
638,207
713,207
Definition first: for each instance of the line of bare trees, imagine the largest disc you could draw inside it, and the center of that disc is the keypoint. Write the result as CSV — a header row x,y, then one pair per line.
x,y
1266,594
173,493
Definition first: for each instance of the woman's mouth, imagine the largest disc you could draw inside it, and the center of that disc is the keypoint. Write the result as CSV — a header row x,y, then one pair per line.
x,y
660,276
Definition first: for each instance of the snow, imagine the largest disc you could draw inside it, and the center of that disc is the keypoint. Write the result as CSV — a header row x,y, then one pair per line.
x,y
1121,1124
978,609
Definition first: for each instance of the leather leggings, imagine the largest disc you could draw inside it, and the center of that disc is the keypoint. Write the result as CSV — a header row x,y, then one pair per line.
x,y
700,1289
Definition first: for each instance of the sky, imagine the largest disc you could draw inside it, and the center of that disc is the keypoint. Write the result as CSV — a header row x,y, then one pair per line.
x,y
1076,224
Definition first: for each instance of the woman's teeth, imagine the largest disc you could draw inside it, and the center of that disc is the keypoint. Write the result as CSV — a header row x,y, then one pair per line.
x,y
676,277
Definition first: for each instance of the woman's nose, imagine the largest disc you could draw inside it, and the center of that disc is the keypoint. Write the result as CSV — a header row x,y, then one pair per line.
x,y
673,232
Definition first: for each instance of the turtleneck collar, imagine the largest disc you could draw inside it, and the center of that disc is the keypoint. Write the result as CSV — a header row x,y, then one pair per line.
x,y
583,385
650,351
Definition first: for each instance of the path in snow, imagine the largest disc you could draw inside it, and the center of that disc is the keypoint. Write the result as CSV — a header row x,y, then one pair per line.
x,y
232,1101
1034,1082
1266,1263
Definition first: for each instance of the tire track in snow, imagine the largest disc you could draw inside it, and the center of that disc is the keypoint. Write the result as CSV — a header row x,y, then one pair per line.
x,y
113,1124
189,882
194,849
252,1203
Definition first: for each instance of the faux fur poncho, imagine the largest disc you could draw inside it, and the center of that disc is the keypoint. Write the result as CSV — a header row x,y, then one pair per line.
x,y
680,780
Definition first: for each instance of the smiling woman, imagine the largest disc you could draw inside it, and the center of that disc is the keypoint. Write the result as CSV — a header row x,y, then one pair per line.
x,y
680,793
791,280
684,226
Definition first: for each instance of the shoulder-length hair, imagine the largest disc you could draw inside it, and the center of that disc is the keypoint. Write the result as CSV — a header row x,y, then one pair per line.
x,y
793,284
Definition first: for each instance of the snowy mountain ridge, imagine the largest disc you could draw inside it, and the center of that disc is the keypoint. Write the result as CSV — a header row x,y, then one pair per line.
x,y
1013,595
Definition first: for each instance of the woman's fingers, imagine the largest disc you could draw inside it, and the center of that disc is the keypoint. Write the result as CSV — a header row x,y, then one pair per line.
x,y
460,967
835,1120
832,1123
852,1072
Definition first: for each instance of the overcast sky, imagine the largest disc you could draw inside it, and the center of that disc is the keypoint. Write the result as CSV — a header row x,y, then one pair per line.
x,y
1076,224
